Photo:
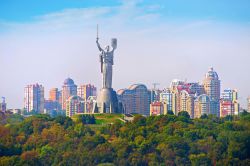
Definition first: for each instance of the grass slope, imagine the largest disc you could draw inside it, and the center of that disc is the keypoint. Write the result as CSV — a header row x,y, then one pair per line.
x,y
103,119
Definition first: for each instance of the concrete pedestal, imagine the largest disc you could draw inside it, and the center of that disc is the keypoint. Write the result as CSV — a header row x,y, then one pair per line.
x,y
107,101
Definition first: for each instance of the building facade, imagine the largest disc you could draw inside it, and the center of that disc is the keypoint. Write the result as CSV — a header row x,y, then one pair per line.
x,y
226,108
68,89
212,89
155,95
54,101
135,99
84,91
50,105
54,94
187,102
34,98
201,106
126,97
74,105
158,108
176,95
229,104
167,96
184,95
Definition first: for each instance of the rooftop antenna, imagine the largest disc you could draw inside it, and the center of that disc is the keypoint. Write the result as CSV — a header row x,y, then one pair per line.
x,y
154,85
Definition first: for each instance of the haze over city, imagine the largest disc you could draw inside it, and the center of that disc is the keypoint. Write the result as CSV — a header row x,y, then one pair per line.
x,y
158,41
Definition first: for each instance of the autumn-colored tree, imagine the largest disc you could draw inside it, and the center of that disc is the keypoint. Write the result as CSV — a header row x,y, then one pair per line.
x,y
156,140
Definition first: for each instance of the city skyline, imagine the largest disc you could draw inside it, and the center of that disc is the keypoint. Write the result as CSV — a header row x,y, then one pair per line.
x,y
47,46
47,91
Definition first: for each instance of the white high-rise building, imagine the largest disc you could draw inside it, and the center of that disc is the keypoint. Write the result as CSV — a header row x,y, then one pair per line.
x,y
229,94
212,89
34,98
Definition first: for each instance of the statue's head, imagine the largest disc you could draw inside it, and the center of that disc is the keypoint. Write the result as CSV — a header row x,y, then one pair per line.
x,y
107,48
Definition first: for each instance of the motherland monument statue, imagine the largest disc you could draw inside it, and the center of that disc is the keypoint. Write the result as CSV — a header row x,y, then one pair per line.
x,y
107,101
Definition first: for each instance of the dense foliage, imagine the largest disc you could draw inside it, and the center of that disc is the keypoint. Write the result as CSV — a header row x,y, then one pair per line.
x,y
156,140
85,119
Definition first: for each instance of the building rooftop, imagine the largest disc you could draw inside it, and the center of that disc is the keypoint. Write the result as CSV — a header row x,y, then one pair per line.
x,y
212,74
134,86
68,81
75,98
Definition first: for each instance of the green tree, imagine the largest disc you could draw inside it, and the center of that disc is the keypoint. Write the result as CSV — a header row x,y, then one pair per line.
x,y
184,114
200,159
46,155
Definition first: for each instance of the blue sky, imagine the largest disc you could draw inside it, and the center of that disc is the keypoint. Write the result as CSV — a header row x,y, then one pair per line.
x,y
25,10
222,10
158,41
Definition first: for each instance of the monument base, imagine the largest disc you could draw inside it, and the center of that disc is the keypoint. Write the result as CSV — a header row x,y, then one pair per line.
x,y
107,101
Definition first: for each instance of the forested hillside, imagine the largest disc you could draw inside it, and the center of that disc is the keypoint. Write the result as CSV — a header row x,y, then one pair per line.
x,y
156,140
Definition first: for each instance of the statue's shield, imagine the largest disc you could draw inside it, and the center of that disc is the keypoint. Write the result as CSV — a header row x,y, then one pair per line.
x,y
114,43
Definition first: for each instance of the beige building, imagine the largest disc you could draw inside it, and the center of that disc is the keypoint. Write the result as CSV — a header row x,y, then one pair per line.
x,y
201,106
183,96
187,103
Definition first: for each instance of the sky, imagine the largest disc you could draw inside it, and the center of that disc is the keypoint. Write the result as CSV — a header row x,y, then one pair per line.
x,y
45,42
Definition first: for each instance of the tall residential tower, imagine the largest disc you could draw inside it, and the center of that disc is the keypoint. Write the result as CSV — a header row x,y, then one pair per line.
x,y
34,98
68,89
212,89
84,91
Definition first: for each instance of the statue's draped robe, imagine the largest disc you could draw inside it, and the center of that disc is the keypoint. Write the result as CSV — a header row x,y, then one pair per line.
x,y
107,63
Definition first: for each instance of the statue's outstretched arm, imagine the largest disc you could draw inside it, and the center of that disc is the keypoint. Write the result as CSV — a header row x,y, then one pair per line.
x,y
98,45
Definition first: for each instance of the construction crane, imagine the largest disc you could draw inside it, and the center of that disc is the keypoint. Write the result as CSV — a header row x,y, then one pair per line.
x,y
154,85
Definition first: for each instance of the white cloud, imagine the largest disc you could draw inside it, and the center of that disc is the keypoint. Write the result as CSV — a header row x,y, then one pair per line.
x,y
129,13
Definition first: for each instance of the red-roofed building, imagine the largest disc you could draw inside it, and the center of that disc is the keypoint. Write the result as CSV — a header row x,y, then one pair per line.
x,y
226,108
158,108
